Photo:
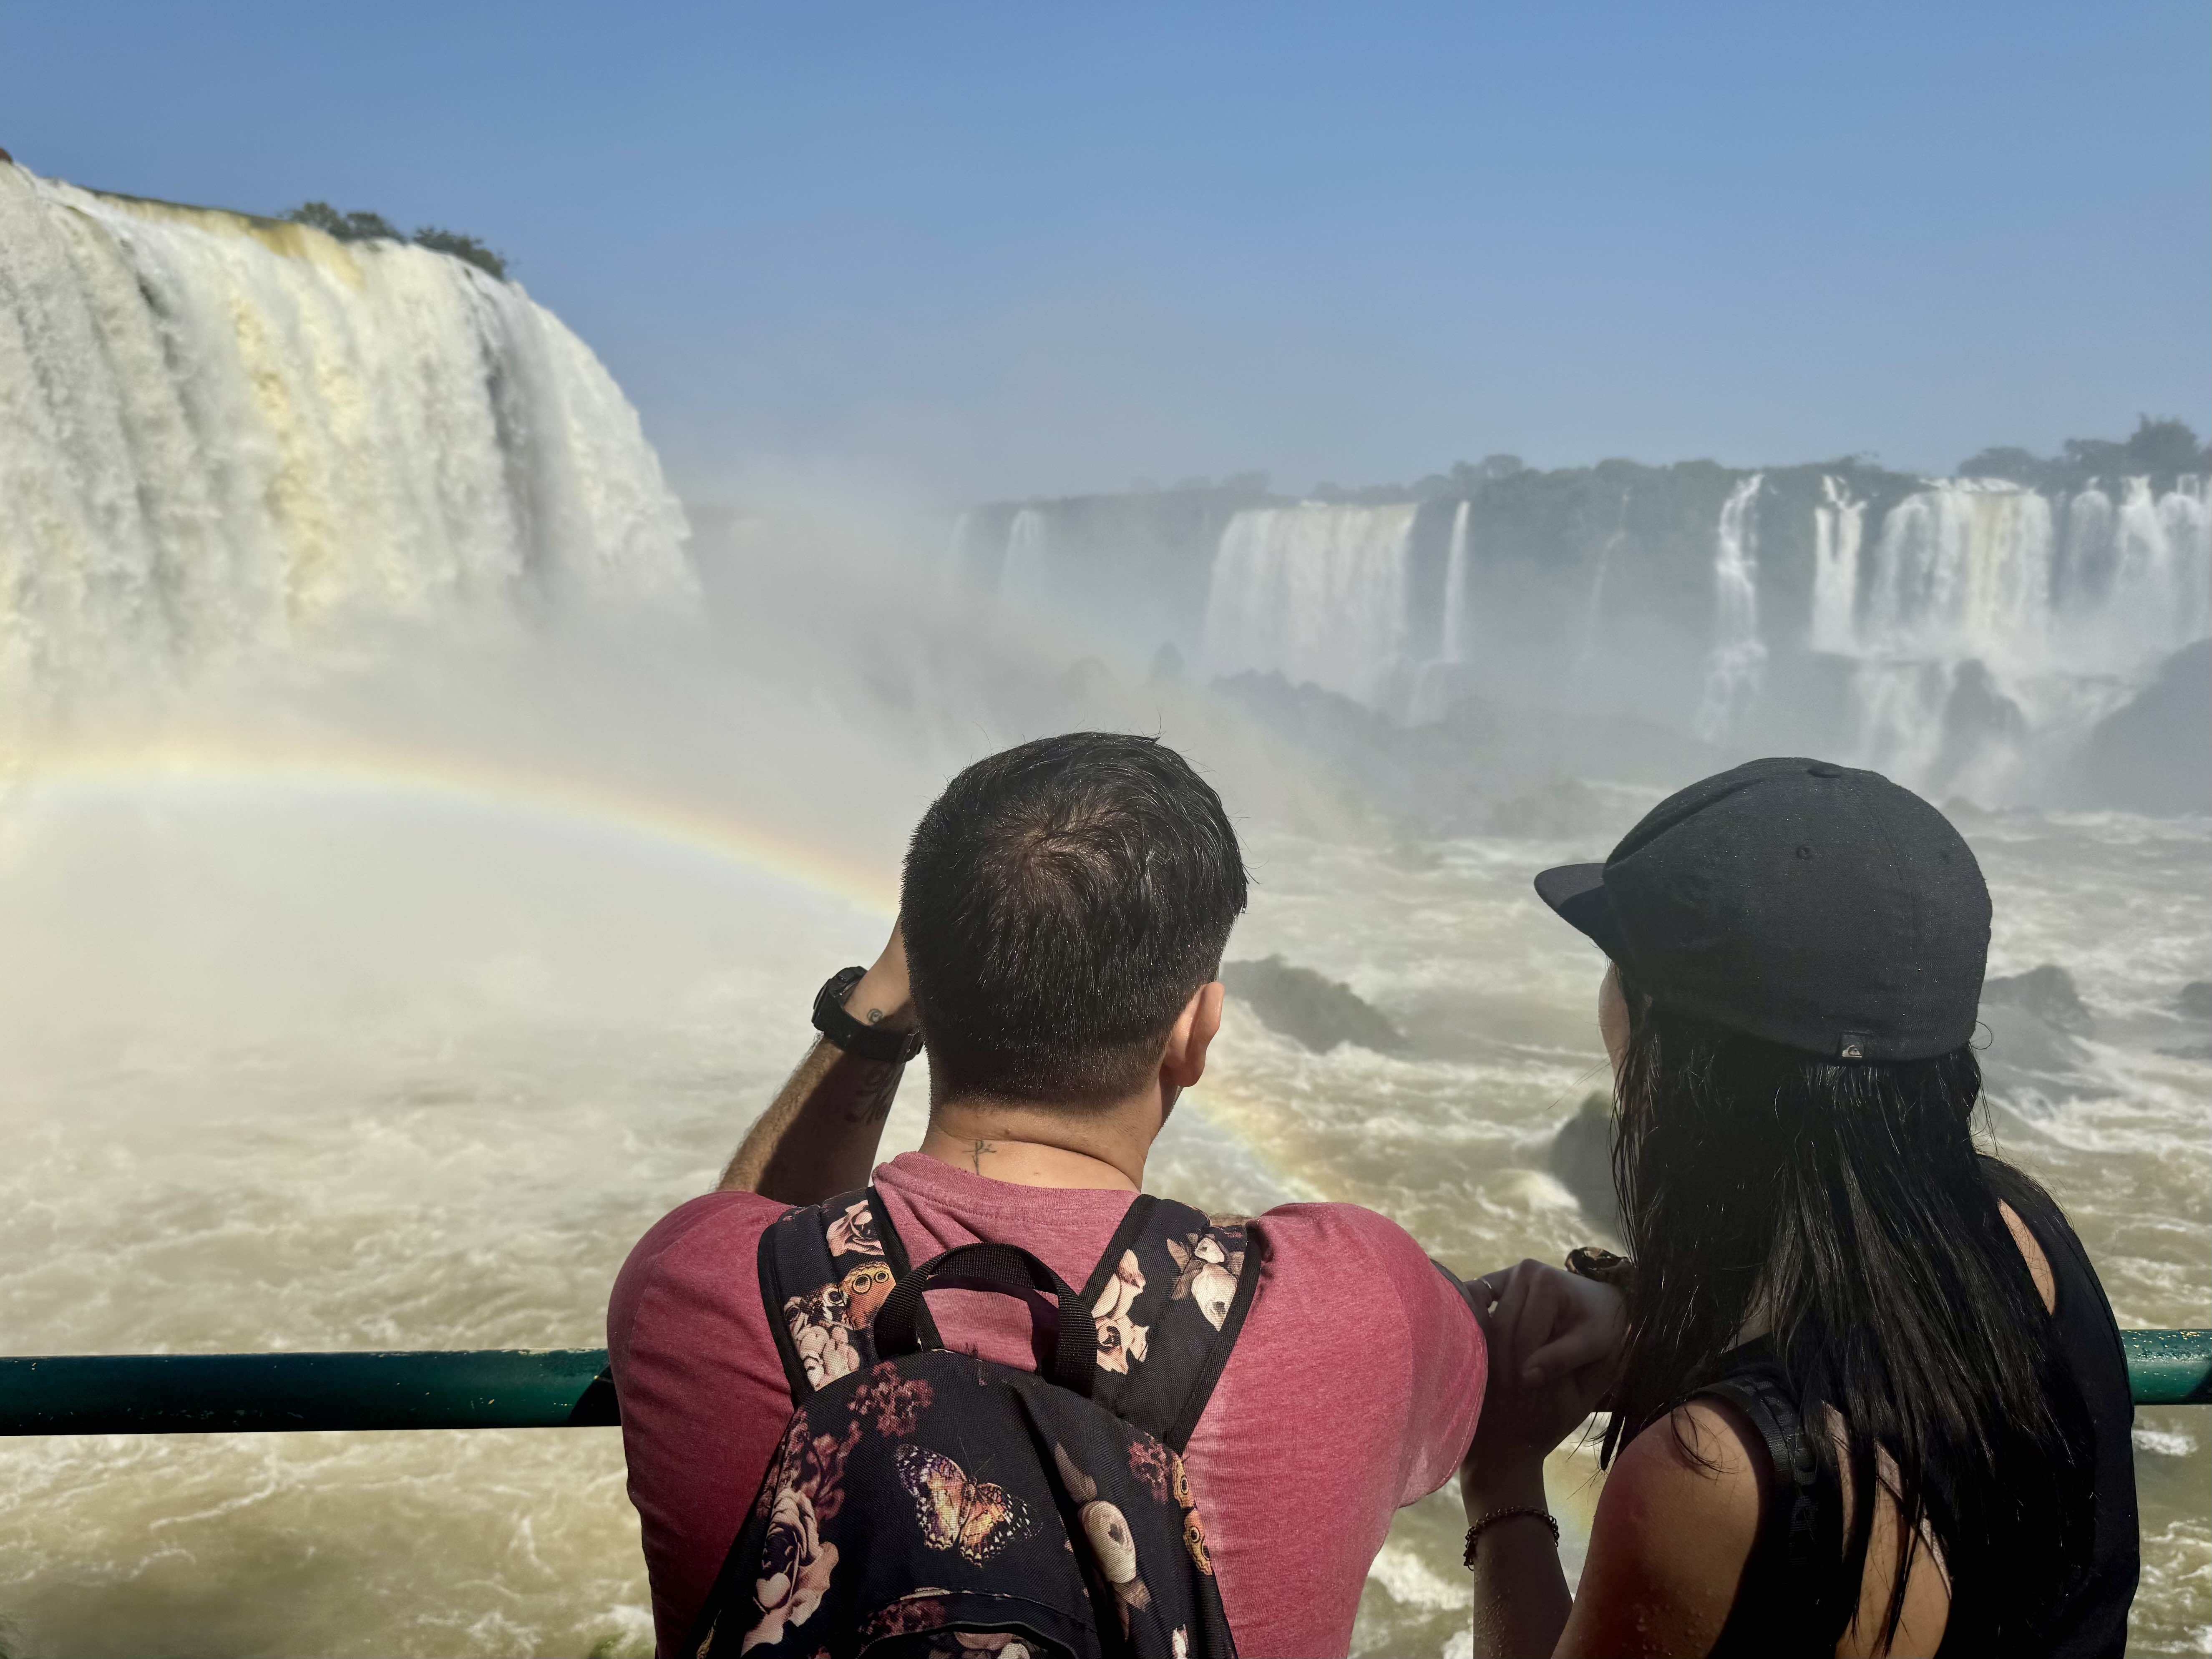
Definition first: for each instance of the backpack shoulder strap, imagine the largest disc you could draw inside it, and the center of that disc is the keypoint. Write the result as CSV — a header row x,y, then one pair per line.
x,y
824,1270
1168,1299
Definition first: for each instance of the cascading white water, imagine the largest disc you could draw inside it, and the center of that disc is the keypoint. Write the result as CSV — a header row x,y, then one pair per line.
x,y
1024,578
1457,621
2065,605
1839,528
1440,682
1316,593
1593,625
1738,662
1963,569
2161,593
218,433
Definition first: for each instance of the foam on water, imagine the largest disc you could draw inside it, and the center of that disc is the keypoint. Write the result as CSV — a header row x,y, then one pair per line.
x,y
450,1118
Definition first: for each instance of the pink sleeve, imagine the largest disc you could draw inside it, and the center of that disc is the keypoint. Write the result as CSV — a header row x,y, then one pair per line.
x,y
1351,1393
1449,1359
703,1396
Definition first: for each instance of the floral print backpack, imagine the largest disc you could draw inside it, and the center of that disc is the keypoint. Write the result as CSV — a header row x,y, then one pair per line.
x,y
936,1504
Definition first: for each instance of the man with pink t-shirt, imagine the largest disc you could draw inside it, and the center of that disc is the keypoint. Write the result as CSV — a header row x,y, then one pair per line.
x,y
1063,912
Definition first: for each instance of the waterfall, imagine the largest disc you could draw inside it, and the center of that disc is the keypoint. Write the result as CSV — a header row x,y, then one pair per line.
x,y
2084,576
1023,578
1963,568
2161,593
219,432
1839,526
1594,601
1738,661
1456,620
1997,619
1316,593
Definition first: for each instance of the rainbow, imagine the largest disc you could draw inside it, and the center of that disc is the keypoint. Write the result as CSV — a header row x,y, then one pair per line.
x,y
387,773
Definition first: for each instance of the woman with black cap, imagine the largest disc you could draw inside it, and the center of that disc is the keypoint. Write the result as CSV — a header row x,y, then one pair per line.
x,y
1872,1398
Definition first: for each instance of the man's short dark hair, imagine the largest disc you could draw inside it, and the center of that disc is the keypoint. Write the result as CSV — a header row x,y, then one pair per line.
x,y
1062,901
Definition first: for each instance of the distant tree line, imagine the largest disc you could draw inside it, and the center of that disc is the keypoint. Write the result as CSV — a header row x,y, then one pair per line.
x,y
375,227
2162,449
2159,449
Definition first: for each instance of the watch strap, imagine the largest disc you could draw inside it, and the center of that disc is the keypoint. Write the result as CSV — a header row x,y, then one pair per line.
x,y
856,1037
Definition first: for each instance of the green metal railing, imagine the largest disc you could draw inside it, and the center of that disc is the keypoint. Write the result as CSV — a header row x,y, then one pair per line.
x,y
214,1393
2169,1367
524,1388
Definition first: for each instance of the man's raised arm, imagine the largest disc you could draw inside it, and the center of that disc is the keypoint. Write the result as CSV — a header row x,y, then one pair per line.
x,y
820,1135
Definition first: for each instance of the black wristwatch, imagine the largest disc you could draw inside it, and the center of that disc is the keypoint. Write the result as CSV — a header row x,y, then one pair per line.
x,y
855,1037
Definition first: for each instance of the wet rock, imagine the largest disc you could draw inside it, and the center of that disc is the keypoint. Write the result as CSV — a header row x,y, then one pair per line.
x,y
1086,677
2047,992
1977,718
1301,1003
2036,1022
2150,755
1449,776
1581,1160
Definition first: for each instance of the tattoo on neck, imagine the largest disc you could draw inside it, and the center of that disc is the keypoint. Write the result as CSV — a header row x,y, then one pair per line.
x,y
875,1016
975,1154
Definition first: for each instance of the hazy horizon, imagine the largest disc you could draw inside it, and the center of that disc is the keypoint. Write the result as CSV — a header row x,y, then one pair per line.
x,y
1008,253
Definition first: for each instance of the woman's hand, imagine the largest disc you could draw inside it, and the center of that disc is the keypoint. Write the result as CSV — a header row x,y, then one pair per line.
x,y
1554,1344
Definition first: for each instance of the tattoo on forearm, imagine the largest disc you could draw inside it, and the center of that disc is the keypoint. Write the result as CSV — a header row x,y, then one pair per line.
x,y
872,1104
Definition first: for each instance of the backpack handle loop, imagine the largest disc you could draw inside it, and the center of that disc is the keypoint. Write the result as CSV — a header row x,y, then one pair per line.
x,y
1006,1268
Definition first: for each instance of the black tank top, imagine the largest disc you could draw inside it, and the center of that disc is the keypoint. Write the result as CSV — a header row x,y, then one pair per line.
x,y
1792,1600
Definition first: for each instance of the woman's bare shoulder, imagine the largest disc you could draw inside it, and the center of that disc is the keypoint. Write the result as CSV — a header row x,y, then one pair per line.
x,y
1675,1525
2038,1265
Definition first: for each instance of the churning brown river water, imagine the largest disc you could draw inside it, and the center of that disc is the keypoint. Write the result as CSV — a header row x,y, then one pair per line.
x,y
290,1066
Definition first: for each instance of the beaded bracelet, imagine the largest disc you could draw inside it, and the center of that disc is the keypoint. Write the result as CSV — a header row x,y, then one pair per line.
x,y
1474,1533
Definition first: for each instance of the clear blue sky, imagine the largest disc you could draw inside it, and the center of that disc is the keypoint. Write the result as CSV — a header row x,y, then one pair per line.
x,y
993,249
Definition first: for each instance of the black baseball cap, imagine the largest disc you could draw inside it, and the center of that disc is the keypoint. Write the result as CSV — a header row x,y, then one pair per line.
x,y
1816,906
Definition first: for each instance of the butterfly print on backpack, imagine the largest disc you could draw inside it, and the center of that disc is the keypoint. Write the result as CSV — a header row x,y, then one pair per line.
x,y
1051,1510
823,1324
865,1288
973,1516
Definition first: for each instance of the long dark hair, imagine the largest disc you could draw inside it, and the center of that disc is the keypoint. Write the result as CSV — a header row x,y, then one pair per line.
x,y
1850,1207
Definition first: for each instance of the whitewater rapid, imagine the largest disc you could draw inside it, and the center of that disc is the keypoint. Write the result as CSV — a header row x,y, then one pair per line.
x,y
438,1114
